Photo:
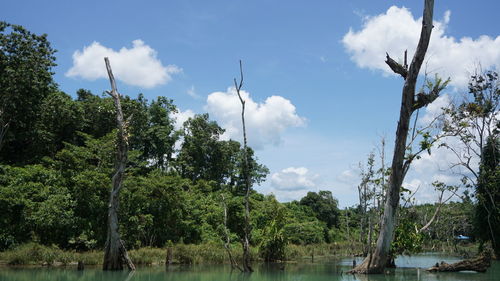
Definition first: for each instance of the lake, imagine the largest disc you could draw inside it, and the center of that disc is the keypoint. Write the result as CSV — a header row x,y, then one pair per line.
x,y
321,270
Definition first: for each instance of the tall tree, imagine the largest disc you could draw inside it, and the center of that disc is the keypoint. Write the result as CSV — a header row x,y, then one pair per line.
x,y
365,195
475,123
201,156
115,253
488,194
160,135
26,61
247,267
324,205
376,262
472,121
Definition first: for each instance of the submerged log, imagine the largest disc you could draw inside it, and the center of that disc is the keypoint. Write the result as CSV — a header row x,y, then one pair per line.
x,y
478,264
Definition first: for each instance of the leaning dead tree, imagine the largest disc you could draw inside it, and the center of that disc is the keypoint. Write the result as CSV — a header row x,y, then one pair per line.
x,y
246,175
115,254
376,262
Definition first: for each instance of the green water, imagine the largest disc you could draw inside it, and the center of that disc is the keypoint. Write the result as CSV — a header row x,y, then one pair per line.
x,y
322,270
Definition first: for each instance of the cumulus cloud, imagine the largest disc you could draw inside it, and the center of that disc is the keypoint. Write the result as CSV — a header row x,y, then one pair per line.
x,y
293,179
181,117
265,122
397,30
136,66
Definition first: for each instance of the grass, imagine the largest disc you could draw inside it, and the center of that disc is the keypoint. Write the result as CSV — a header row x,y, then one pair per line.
x,y
208,253
463,249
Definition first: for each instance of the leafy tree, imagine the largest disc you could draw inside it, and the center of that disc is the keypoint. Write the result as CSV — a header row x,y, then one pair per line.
x,y
487,219
35,204
302,225
200,156
98,114
407,238
204,156
26,60
472,121
274,241
58,123
324,206
476,125
160,135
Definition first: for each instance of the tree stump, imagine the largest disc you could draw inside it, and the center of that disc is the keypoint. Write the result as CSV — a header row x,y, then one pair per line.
x,y
478,264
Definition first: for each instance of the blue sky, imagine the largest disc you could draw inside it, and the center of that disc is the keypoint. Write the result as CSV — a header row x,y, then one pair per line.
x,y
322,98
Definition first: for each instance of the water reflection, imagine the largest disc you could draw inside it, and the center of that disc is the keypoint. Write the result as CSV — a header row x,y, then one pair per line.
x,y
322,270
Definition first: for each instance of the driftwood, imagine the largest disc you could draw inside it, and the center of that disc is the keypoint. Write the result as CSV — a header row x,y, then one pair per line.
x,y
478,264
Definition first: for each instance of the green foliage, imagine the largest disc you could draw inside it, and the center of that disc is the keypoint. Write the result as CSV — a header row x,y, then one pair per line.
x,y
203,156
274,241
57,158
407,238
33,253
26,60
34,202
487,218
323,205
302,226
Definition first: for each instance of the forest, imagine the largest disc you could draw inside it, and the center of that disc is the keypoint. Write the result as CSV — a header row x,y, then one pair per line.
x,y
187,190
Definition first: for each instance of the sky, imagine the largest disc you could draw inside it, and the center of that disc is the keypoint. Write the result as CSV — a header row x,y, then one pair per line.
x,y
319,95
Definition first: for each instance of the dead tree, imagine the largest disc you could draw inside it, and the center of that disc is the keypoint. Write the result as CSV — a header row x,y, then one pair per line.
x,y
478,264
246,175
376,263
227,242
115,254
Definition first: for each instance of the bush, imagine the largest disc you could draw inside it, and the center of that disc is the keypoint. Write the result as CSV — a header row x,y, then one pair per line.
x,y
33,253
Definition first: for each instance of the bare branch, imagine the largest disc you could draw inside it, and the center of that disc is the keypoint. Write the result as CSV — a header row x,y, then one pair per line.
x,y
396,67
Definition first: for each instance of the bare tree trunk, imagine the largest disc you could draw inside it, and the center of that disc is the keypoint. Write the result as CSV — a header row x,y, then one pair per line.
x,y
227,243
4,127
115,254
246,171
377,263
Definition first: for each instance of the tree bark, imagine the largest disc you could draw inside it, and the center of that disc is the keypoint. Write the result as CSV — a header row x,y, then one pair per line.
x,y
227,242
377,262
247,267
478,264
115,254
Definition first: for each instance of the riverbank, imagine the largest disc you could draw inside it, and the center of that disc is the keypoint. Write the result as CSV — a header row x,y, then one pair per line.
x,y
36,254
40,255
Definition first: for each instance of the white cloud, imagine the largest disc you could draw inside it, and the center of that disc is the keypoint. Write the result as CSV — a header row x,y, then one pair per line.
x,y
435,109
192,92
181,117
137,66
292,178
265,122
397,30
348,176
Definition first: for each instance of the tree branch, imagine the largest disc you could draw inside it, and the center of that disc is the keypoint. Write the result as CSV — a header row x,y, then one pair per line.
x,y
396,67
